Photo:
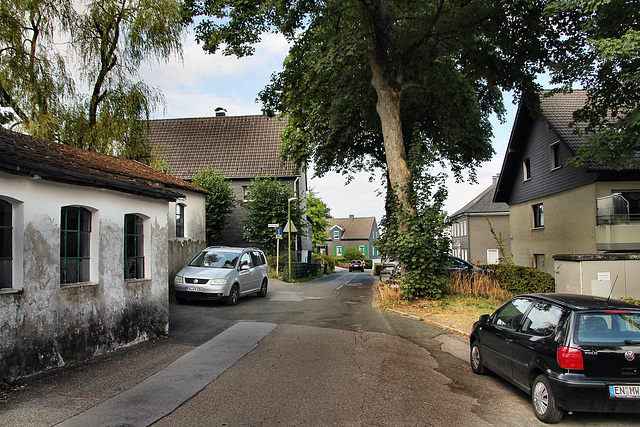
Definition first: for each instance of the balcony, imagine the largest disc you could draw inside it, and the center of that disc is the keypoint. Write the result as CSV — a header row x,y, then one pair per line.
x,y
618,229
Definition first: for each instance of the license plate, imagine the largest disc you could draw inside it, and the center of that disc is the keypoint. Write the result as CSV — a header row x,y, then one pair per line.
x,y
192,289
625,391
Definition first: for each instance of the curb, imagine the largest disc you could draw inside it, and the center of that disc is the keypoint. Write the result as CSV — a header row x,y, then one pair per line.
x,y
431,321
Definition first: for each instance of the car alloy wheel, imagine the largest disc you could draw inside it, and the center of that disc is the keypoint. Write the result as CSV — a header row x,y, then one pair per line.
x,y
234,295
544,403
263,289
477,366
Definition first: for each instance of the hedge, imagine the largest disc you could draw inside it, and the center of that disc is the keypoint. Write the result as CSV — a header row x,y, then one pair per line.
x,y
522,280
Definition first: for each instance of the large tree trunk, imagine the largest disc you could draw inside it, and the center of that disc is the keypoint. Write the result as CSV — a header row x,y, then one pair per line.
x,y
375,17
388,108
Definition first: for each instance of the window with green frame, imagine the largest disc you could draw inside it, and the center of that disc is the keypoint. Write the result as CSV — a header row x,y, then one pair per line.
x,y
6,244
179,220
75,238
133,247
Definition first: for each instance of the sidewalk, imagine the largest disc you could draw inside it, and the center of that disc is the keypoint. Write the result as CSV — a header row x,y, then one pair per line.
x,y
130,386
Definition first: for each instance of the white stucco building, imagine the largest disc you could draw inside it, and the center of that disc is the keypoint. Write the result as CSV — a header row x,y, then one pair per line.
x,y
84,247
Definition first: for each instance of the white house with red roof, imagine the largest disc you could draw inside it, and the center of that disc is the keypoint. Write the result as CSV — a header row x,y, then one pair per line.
x,y
84,243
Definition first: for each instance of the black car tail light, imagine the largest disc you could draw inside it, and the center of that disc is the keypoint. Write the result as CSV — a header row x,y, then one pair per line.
x,y
570,358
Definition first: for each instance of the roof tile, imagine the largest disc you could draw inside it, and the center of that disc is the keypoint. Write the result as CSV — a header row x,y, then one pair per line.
x,y
24,154
237,146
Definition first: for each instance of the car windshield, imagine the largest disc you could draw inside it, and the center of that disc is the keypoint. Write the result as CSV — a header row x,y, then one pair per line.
x,y
215,260
608,327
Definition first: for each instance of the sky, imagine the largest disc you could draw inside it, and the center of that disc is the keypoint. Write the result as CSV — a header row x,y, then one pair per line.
x,y
199,83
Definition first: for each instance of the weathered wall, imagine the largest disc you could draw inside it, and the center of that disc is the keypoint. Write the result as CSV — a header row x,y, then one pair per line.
x,y
183,249
43,323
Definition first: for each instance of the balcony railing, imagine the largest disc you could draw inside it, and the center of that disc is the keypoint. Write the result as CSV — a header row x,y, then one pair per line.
x,y
617,219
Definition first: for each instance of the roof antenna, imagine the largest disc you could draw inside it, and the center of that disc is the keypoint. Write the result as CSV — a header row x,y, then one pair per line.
x,y
606,304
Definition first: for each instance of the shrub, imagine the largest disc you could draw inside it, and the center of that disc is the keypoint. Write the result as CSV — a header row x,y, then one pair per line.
x,y
377,269
517,279
329,260
282,264
368,263
352,253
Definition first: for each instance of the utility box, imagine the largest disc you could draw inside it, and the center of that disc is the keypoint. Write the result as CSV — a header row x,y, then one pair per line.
x,y
598,274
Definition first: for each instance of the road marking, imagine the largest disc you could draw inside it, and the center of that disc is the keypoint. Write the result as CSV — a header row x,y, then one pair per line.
x,y
345,283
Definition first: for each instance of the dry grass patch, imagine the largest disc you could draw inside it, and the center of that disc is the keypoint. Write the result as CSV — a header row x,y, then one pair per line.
x,y
456,311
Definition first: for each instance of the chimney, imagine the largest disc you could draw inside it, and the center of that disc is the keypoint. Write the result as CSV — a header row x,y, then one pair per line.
x,y
221,112
350,216
495,179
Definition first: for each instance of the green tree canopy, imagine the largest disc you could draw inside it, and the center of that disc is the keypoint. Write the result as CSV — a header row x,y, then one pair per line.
x,y
366,79
600,51
107,42
267,203
34,83
318,211
219,204
369,81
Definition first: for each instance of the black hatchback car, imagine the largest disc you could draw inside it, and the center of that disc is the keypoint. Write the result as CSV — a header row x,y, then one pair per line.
x,y
570,352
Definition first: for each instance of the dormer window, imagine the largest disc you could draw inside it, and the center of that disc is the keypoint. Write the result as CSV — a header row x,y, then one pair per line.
x,y
336,234
554,156
526,169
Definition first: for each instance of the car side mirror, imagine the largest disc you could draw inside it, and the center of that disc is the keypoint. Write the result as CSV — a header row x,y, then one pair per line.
x,y
484,319
245,267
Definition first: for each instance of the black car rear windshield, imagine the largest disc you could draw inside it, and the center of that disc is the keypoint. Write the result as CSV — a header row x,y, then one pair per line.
x,y
215,260
615,327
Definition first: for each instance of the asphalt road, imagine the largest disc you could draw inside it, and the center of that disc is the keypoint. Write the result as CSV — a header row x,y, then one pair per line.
x,y
317,353
336,359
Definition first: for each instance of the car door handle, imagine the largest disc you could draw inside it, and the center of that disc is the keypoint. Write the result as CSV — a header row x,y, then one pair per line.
x,y
509,340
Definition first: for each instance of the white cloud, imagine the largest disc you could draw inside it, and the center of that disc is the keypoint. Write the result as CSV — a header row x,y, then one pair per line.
x,y
201,82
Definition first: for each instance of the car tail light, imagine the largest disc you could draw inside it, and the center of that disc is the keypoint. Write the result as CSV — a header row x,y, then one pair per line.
x,y
570,358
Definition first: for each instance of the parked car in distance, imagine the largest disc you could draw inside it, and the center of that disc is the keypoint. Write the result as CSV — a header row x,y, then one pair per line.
x,y
390,268
223,273
459,264
571,353
356,265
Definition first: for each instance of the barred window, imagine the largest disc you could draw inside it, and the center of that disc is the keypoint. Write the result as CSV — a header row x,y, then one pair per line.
x,y
75,237
133,247
6,244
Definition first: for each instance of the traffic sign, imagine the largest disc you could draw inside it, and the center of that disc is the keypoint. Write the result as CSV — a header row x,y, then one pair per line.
x,y
290,228
273,225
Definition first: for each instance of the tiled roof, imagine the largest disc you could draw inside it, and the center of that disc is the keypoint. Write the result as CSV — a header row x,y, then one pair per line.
x,y
25,155
483,203
354,228
558,110
237,146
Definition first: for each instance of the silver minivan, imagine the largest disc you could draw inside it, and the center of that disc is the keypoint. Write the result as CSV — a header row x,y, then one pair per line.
x,y
223,273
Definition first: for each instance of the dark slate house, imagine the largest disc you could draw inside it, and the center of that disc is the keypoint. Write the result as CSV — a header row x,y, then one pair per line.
x,y
471,236
242,148
556,208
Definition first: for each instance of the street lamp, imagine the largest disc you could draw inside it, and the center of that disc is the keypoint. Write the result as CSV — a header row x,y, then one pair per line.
x,y
289,229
